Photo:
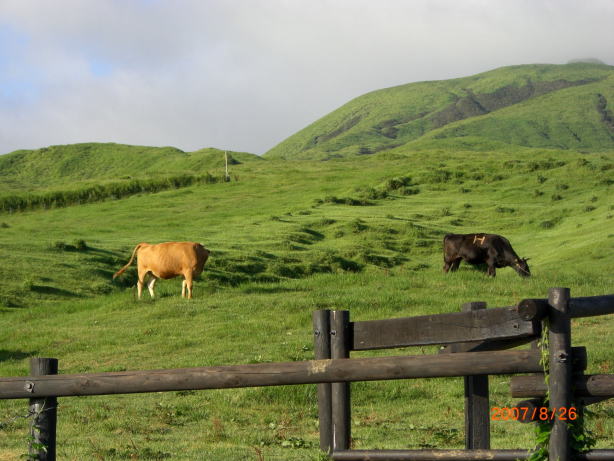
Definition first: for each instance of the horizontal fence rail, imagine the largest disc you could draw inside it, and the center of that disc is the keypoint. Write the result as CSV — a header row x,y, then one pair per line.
x,y
591,306
430,455
273,374
485,324
456,455
583,386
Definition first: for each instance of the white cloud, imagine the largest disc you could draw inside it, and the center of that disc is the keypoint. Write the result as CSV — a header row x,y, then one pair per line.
x,y
245,74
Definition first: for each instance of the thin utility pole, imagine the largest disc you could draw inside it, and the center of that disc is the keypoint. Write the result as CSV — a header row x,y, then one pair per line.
x,y
226,161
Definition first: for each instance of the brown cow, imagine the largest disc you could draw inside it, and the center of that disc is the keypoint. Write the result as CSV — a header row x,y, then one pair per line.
x,y
168,260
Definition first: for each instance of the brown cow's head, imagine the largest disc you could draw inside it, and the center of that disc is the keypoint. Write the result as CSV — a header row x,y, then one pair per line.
x,y
521,266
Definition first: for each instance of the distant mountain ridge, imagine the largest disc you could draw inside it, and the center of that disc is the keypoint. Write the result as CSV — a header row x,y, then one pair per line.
x,y
554,106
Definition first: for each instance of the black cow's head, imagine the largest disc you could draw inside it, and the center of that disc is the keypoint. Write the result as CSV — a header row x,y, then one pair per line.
x,y
520,265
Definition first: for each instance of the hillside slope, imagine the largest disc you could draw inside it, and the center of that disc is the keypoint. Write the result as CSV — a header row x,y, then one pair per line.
x,y
556,106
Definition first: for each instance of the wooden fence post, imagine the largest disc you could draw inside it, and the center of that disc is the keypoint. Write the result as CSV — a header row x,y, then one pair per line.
x,y
477,410
44,413
321,343
340,398
559,343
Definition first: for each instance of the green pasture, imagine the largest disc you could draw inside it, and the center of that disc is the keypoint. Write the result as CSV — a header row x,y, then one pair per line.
x,y
287,238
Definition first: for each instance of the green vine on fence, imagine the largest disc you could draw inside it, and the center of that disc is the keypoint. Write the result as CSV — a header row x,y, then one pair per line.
x,y
581,439
34,447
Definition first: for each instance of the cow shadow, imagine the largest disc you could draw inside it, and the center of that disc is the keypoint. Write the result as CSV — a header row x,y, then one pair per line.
x,y
15,356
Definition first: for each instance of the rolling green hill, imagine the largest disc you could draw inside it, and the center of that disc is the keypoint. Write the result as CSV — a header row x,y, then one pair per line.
x,y
554,106
59,176
73,165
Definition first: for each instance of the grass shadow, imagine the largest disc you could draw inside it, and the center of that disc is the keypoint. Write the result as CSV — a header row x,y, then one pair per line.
x,y
269,290
49,290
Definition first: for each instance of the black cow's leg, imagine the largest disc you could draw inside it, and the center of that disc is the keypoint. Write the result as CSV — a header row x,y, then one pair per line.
x,y
450,265
455,264
491,269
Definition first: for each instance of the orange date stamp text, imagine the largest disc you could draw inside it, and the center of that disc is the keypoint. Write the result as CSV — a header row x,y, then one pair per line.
x,y
533,414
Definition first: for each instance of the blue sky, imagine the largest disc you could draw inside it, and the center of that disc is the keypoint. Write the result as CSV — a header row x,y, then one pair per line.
x,y
246,74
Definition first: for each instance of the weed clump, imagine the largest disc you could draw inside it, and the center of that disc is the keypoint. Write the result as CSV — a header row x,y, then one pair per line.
x,y
347,201
61,246
549,223
397,183
438,176
80,245
357,226
548,164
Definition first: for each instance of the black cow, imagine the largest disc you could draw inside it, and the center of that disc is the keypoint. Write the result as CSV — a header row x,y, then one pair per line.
x,y
492,249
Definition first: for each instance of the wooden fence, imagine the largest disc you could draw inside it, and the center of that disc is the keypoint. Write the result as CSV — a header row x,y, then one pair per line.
x,y
475,340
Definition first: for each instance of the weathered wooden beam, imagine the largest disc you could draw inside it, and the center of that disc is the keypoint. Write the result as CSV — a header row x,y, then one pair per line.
x,y
481,346
456,455
430,455
273,374
559,385
529,410
456,327
583,386
44,411
533,309
537,309
477,409
591,306
340,397
321,349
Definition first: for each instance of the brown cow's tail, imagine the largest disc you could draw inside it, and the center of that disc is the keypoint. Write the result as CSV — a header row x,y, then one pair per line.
x,y
123,269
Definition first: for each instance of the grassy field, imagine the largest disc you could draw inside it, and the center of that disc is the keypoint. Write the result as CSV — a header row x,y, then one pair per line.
x,y
287,238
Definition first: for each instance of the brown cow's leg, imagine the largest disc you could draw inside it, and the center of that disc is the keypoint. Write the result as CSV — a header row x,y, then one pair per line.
x,y
139,288
150,286
188,284
139,284
183,284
